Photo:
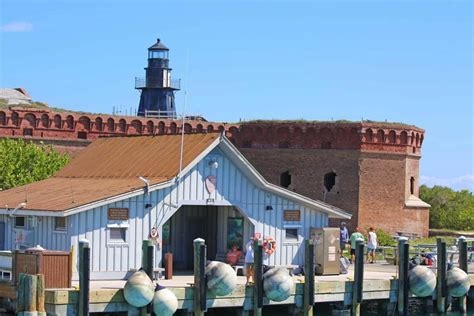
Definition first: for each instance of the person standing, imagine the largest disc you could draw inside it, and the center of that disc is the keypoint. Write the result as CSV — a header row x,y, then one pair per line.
x,y
249,260
356,235
344,236
371,245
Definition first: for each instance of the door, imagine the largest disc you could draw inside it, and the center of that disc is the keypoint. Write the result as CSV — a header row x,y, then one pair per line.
x,y
2,236
197,228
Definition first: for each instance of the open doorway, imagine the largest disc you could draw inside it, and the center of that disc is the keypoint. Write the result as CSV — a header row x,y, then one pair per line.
x,y
220,226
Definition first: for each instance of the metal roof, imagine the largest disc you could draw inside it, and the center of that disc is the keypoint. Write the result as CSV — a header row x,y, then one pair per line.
x,y
158,46
109,167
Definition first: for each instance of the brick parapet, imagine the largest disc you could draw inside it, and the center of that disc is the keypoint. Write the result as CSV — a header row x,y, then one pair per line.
x,y
50,124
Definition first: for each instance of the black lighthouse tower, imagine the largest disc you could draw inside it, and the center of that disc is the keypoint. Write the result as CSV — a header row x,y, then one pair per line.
x,y
157,88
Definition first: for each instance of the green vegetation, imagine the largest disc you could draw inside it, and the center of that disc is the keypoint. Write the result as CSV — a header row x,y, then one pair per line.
x,y
263,121
24,162
449,209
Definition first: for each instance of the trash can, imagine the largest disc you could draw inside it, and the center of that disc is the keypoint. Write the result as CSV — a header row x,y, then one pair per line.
x,y
326,250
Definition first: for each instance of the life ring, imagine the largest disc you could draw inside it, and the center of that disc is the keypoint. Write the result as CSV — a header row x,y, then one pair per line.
x,y
154,234
269,245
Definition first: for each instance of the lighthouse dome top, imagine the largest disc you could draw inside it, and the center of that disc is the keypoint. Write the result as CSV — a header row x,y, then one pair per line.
x,y
158,46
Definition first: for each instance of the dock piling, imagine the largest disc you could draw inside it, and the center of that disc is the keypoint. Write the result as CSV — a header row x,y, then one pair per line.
x,y
308,299
441,275
403,287
84,276
40,295
147,265
358,278
258,278
462,246
199,277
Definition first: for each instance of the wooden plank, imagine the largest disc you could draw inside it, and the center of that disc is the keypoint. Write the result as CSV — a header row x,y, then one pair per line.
x,y
29,293
7,290
40,294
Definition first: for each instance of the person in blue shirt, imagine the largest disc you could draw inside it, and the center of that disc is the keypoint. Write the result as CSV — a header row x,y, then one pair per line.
x,y
344,236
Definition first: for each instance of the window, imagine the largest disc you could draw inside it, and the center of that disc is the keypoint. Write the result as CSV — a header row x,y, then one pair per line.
x,y
291,234
28,132
60,223
82,135
412,185
20,222
330,180
285,179
118,235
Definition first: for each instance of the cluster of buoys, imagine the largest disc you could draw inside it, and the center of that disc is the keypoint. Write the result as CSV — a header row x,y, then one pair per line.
x,y
221,278
277,284
422,281
139,292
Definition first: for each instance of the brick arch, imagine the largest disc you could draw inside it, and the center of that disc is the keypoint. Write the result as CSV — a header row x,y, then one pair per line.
x,y
161,127
221,128
29,120
199,128
392,137
111,124
369,135
70,122
135,127
57,121
173,128
122,126
421,140
99,124
412,138
380,136
403,138
15,119
210,128
84,123
3,118
188,128
45,120
417,137
233,132
150,127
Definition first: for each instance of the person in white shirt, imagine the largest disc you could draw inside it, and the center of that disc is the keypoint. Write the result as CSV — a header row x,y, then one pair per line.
x,y
249,260
371,245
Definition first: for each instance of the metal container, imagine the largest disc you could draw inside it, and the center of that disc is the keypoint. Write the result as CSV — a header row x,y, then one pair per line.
x,y
326,250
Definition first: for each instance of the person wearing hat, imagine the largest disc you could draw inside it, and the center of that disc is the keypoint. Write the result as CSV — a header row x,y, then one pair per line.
x,y
344,236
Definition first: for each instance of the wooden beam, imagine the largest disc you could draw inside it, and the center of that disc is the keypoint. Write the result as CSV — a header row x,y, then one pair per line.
x,y
462,246
84,276
403,250
258,278
199,276
358,278
308,298
40,295
441,274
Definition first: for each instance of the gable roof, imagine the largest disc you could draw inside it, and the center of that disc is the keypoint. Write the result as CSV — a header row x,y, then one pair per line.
x,y
109,170
109,167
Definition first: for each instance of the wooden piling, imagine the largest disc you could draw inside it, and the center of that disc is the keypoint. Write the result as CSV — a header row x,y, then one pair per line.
x,y
403,288
40,295
199,277
308,299
257,278
441,275
84,276
147,257
358,278
462,246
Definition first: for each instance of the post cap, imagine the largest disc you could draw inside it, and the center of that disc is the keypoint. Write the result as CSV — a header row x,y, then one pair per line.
x,y
199,240
84,241
403,238
461,238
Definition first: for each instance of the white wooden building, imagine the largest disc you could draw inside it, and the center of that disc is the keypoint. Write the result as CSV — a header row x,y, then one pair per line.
x,y
218,195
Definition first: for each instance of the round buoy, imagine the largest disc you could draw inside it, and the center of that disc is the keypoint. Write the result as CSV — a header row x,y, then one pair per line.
x,y
422,281
277,284
138,290
221,278
165,302
458,282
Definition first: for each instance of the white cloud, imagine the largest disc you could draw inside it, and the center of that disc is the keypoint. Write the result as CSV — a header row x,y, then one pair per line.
x,y
456,183
17,27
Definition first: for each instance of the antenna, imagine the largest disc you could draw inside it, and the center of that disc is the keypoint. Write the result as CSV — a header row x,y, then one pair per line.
x,y
184,116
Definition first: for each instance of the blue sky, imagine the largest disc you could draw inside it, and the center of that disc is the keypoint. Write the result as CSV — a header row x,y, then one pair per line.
x,y
403,61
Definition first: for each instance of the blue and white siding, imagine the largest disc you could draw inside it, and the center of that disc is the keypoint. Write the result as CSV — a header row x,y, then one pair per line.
x,y
235,187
